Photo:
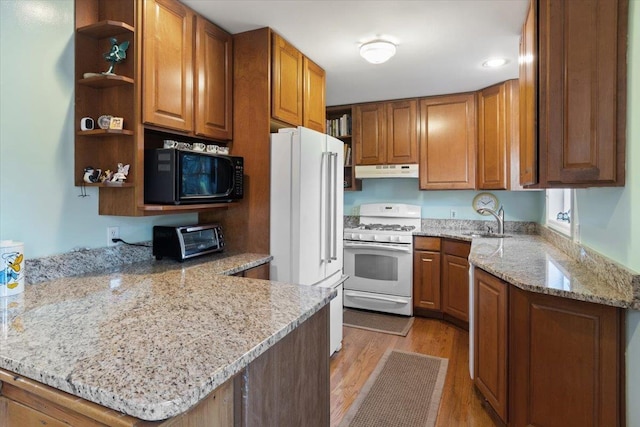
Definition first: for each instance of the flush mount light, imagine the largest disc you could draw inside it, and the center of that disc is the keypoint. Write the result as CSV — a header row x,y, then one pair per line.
x,y
377,51
494,62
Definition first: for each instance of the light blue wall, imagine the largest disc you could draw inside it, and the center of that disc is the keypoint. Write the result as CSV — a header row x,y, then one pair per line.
x,y
518,205
39,204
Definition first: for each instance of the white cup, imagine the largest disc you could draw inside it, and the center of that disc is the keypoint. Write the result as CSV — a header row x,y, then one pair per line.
x,y
212,148
223,150
198,146
168,143
11,268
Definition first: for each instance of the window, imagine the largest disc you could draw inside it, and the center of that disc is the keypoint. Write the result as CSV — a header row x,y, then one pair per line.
x,y
560,210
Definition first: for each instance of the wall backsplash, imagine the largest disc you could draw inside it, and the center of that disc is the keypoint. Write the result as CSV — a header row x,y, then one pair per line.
x,y
518,205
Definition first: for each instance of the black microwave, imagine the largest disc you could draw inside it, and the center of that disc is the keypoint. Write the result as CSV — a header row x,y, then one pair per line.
x,y
175,176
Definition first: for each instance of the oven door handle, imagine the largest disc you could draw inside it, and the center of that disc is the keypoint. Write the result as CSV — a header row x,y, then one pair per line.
x,y
383,247
375,297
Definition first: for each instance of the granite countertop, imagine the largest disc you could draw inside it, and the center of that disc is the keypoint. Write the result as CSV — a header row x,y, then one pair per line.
x,y
151,339
549,264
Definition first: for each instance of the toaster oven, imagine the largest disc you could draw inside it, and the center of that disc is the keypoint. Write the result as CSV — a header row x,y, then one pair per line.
x,y
184,242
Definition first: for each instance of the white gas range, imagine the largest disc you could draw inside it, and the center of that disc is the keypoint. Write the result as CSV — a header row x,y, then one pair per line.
x,y
378,258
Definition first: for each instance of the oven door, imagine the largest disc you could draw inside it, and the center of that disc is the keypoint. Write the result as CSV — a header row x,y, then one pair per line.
x,y
383,268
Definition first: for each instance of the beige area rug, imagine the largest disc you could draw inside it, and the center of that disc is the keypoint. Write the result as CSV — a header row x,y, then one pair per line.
x,y
403,391
387,323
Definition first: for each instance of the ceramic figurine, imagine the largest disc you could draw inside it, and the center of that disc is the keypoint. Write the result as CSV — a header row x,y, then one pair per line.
x,y
121,175
91,175
117,54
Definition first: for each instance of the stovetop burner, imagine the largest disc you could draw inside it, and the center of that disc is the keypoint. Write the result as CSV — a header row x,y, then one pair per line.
x,y
386,227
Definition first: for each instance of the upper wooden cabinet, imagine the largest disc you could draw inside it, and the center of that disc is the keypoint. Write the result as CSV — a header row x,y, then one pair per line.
x,y
369,134
448,142
386,133
167,84
187,72
402,132
298,87
313,101
528,92
213,83
498,137
581,54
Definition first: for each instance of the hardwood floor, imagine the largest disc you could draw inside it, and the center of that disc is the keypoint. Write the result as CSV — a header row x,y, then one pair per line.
x,y
361,351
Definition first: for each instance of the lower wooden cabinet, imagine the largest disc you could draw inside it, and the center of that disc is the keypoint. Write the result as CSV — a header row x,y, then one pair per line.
x,y
566,362
490,350
426,273
455,279
441,279
545,361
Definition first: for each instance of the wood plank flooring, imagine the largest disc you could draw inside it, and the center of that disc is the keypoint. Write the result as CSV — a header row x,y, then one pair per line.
x,y
361,351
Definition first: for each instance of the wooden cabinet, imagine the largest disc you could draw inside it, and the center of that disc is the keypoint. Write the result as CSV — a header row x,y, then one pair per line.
x,y
566,362
386,133
498,137
187,72
339,125
455,279
491,340
298,87
426,273
543,360
369,132
169,93
581,111
528,91
402,132
213,82
441,279
313,101
447,142
167,84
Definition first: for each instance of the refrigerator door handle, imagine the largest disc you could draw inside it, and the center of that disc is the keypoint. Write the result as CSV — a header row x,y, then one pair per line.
x,y
334,207
326,168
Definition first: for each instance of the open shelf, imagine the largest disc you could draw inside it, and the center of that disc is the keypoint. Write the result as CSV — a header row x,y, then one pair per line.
x,y
105,132
106,80
105,28
102,184
156,209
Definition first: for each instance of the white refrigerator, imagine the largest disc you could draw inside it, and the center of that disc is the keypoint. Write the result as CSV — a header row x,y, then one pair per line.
x,y
306,230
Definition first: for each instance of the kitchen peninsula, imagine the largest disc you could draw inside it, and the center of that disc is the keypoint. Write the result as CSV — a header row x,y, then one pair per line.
x,y
151,340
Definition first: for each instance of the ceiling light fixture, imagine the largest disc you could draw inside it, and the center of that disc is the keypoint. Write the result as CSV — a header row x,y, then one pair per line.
x,y
494,62
377,51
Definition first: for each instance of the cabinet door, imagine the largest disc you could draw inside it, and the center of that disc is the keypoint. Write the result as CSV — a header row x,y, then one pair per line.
x,y
528,99
167,86
369,128
287,81
491,340
582,92
213,83
402,132
455,279
448,142
492,138
314,104
16,414
566,366
426,280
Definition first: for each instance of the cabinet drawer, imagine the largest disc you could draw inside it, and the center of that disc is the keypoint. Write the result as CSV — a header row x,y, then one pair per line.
x,y
453,247
426,243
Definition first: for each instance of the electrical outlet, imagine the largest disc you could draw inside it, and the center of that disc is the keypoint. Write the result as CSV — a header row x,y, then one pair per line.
x,y
112,233
453,214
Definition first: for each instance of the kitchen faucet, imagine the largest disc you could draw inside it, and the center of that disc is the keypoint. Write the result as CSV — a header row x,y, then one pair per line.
x,y
499,216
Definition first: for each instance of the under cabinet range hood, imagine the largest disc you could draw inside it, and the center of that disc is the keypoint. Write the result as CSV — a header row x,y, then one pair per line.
x,y
387,171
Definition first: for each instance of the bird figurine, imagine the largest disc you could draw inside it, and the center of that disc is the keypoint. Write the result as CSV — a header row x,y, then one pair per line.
x,y
91,175
117,54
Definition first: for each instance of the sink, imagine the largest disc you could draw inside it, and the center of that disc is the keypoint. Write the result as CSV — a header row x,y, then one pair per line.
x,y
484,234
